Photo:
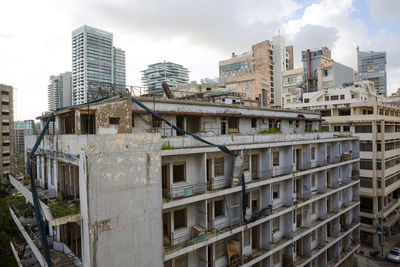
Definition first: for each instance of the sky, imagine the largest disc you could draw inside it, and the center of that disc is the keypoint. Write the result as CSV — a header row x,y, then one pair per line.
x,y
35,36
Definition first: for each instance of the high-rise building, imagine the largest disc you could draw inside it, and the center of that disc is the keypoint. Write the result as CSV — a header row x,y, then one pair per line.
x,y
359,110
257,73
21,129
7,126
372,66
59,91
173,74
322,72
171,200
119,69
94,64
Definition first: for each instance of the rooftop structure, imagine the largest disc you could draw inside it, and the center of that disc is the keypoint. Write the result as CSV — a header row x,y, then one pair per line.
x,y
360,110
174,200
322,72
173,74
372,67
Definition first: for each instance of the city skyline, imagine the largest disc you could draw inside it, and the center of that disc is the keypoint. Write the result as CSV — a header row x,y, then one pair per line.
x,y
348,24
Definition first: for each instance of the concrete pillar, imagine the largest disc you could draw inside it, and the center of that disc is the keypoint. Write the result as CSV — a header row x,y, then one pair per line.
x,y
49,174
42,171
55,176
57,125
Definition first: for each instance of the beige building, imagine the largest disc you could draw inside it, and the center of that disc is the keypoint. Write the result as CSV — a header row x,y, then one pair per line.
x,y
254,72
7,126
357,109
291,82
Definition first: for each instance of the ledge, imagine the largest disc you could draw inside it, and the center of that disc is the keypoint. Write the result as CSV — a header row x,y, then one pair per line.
x,y
45,209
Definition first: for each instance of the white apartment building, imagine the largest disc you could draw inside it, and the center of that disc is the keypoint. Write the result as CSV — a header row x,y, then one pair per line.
x,y
359,110
146,195
59,91
95,62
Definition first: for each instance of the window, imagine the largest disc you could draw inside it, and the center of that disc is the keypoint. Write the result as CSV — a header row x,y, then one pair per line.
x,y
334,97
275,224
133,120
114,121
313,235
219,166
336,128
247,237
181,261
275,158
313,153
312,180
254,123
346,128
276,258
220,249
344,112
327,85
341,96
156,122
179,172
275,191
366,164
180,219
363,129
219,208
313,207
326,98
306,100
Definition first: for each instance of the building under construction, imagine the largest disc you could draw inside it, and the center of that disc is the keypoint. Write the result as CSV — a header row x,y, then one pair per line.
x,y
167,182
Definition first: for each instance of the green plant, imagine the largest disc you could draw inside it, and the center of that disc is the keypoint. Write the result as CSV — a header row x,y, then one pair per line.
x,y
166,146
26,180
62,208
270,131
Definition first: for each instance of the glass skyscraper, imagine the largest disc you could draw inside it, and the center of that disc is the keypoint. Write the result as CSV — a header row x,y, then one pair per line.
x,y
94,64
372,66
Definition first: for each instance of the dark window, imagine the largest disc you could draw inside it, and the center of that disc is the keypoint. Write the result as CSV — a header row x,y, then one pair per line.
x,y
341,96
363,129
219,208
156,122
346,128
180,219
366,164
253,123
178,172
219,167
114,121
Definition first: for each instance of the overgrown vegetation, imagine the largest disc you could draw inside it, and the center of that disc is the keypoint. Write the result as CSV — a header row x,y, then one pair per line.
x,y
8,230
270,131
344,136
166,146
62,208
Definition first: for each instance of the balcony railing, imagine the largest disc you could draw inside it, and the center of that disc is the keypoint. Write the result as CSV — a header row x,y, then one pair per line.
x,y
276,171
185,190
334,160
334,184
219,183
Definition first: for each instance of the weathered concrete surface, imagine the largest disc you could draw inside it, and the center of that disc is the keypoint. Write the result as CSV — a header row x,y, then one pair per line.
x,y
124,200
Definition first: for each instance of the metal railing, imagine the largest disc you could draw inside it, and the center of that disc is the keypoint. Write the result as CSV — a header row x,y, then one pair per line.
x,y
185,190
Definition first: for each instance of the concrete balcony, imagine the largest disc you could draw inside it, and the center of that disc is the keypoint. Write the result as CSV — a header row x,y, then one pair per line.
x,y
389,208
32,250
5,129
54,219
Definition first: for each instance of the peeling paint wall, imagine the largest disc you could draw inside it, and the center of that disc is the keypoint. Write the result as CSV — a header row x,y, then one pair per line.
x,y
116,109
124,199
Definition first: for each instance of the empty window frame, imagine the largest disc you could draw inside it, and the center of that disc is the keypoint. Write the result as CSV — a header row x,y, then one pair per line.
x,y
114,121
275,158
275,191
219,167
275,224
219,209
179,172
180,219
254,123
312,153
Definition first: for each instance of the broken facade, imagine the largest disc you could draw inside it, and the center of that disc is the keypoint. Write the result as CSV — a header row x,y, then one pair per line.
x,y
149,196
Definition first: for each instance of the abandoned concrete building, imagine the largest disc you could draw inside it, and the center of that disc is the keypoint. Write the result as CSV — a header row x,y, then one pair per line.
x,y
142,194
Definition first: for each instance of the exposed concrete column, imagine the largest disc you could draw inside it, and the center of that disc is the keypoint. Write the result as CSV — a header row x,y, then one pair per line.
x,y
57,125
42,183
374,151
49,174
77,121
55,176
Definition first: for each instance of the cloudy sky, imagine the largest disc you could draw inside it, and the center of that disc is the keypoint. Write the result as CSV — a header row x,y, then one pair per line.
x,y
35,36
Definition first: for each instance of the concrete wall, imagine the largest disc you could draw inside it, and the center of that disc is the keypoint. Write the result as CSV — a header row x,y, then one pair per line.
x,y
342,74
123,185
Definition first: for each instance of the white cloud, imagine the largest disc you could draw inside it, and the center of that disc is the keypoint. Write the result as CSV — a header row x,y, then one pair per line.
x,y
383,11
